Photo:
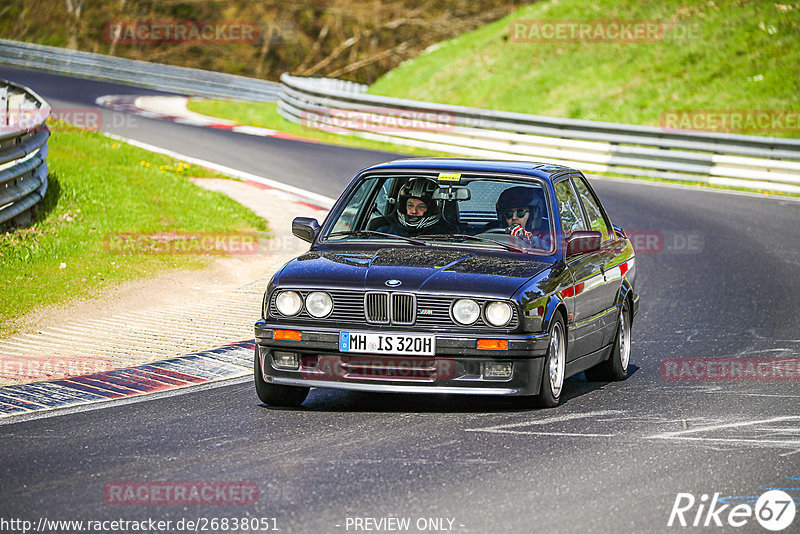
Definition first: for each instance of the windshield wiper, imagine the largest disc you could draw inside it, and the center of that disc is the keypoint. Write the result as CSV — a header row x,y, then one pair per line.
x,y
367,233
467,237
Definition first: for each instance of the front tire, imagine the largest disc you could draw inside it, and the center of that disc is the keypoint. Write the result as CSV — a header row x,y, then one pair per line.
x,y
615,368
554,366
276,395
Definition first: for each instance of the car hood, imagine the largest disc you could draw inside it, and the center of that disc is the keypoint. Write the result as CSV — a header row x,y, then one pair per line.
x,y
428,270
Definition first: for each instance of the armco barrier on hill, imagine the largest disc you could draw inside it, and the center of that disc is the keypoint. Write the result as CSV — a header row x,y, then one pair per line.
x,y
23,152
769,163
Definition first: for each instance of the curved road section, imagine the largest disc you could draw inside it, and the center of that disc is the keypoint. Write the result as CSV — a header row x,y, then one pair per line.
x,y
706,424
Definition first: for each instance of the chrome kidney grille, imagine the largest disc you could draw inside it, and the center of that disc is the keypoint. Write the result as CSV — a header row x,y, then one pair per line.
x,y
404,308
376,308
352,309
390,308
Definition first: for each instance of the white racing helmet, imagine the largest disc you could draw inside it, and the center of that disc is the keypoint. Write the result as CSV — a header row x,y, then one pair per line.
x,y
423,189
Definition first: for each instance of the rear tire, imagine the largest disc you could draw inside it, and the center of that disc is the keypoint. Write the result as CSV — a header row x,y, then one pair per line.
x,y
615,368
276,395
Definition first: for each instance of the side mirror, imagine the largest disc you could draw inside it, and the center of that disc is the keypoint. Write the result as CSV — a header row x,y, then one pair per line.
x,y
583,241
305,228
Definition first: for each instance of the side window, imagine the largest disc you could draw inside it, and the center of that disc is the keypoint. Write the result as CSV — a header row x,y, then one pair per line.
x,y
593,212
354,207
568,209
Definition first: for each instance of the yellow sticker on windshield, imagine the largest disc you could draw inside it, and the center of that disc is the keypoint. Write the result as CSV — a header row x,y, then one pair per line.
x,y
449,177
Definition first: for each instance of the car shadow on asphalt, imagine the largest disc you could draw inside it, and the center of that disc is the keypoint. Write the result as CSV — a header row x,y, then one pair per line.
x,y
330,400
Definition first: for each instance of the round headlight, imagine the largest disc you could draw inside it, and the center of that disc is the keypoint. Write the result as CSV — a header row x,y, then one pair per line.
x,y
319,304
289,303
498,313
466,311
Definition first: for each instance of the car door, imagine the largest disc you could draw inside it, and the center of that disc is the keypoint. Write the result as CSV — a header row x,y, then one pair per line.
x,y
585,297
610,247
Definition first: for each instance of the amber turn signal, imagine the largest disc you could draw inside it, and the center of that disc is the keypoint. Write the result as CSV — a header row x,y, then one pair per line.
x,y
493,344
291,335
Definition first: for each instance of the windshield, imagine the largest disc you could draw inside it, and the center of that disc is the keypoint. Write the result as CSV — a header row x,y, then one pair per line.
x,y
447,208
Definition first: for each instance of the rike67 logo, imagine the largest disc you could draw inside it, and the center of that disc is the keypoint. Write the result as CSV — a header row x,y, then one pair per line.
x,y
774,510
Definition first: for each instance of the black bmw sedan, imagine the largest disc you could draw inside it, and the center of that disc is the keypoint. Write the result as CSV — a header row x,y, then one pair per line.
x,y
451,276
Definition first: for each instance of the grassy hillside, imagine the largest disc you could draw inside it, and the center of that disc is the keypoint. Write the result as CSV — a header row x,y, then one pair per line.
x,y
737,55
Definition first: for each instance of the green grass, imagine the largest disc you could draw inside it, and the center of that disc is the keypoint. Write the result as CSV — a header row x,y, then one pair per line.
x,y
100,188
740,55
265,115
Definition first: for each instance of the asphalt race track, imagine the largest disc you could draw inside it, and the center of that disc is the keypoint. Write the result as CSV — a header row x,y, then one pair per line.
x,y
719,277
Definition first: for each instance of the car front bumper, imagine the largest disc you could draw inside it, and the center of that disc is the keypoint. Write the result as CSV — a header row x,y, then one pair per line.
x,y
458,366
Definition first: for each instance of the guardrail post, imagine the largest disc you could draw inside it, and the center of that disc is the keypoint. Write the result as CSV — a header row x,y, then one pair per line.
x,y
3,106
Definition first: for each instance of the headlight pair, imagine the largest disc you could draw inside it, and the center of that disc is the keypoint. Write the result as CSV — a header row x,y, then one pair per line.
x,y
496,313
318,303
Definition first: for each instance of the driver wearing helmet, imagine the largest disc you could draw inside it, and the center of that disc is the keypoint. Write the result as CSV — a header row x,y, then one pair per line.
x,y
521,211
417,213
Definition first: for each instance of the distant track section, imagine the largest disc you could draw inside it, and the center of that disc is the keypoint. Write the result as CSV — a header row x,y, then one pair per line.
x,y
23,152
181,80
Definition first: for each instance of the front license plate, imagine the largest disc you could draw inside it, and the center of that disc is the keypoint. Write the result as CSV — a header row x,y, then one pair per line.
x,y
373,343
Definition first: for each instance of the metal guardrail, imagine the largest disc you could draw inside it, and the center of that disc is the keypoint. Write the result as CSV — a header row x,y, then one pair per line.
x,y
23,152
169,78
726,159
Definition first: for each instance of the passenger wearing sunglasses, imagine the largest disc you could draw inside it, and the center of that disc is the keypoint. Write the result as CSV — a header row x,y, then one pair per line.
x,y
520,210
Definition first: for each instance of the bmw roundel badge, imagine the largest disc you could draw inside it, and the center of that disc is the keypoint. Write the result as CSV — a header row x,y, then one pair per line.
x,y
393,283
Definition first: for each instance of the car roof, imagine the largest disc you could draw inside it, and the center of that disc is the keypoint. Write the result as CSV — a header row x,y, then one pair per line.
x,y
545,171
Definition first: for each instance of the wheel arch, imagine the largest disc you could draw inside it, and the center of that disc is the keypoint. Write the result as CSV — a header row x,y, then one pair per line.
x,y
624,294
555,305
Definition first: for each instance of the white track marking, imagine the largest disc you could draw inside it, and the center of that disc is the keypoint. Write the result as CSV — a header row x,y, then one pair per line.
x,y
683,434
532,433
503,429
316,198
